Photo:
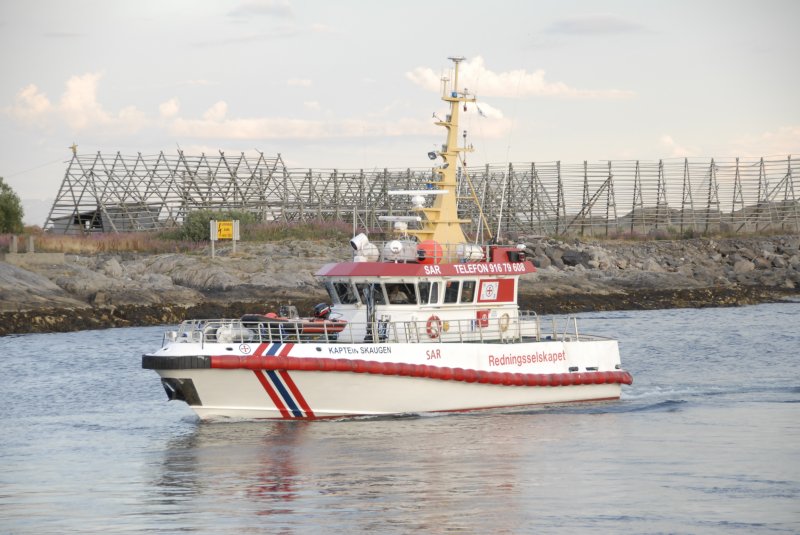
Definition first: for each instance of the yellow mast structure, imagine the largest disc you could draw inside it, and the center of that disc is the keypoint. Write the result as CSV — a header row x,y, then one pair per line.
x,y
441,222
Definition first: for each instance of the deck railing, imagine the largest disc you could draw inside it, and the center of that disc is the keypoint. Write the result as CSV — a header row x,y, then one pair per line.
x,y
526,327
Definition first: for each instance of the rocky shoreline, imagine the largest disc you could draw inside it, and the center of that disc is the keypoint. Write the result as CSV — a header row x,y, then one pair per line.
x,y
132,289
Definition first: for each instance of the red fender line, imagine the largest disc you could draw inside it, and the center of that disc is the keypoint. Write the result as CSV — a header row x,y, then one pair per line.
x,y
321,364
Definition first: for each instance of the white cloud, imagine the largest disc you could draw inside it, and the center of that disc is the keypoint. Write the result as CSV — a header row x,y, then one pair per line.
x,y
298,82
30,106
674,150
269,8
474,75
488,122
78,108
484,109
217,112
215,124
130,119
169,108
79,104
783,141
322,28
210,127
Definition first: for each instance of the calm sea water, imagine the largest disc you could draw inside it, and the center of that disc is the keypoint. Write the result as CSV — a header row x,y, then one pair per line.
x,y
707,440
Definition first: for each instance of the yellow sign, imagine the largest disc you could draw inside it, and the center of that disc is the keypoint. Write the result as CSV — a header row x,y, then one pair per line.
x,y
224,230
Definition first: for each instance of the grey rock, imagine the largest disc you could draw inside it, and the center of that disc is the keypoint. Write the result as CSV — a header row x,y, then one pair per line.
x,y
743,266
762,263
652,265
746,253
574,258
599,258
21,289
185,278
726,249
99,299
736,257
767,246
541,261
156,280
671,261
554,253
112,268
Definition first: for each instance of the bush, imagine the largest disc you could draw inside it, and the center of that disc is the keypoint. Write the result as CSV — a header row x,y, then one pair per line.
x,y
196,228
302,230
196,224
10,210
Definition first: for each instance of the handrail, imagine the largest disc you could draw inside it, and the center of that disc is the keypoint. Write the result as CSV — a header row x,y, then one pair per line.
x,y
523,327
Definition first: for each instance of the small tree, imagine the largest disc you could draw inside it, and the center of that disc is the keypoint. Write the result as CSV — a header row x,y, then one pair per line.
x,y
10,210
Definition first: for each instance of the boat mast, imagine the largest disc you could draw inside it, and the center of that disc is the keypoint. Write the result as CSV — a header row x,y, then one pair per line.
x,y
441,222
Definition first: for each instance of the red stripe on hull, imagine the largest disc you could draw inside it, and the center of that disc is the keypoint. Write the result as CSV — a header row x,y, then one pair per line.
x,y
273,395
234,362
296,393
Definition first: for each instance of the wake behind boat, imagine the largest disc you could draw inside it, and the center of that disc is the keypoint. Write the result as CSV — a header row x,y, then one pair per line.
x,y
426,322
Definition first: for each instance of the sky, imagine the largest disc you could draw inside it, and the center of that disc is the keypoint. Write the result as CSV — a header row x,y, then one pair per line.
x,y
354,84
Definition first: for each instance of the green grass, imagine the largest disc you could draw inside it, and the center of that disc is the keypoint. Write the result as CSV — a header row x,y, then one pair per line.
x,y
174,240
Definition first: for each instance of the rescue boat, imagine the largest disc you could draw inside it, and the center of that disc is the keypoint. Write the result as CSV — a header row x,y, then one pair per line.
x,y
426,322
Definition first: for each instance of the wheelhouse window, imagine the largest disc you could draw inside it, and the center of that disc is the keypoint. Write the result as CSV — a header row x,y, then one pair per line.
x,y
345,292
429,293
371,290
468,291
451,291
401,293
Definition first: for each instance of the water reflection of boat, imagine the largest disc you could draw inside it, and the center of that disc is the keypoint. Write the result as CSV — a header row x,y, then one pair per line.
x,y
426,322
262,465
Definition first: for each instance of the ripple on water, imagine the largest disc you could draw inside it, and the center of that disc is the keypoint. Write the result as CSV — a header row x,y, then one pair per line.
x,y
709,427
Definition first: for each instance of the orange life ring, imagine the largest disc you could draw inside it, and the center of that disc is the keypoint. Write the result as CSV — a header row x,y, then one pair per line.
x,y
434,327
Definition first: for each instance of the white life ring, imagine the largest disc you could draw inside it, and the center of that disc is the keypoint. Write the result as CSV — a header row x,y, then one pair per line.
x,y
503,322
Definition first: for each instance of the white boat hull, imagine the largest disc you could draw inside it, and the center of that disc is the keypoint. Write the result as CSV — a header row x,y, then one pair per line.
x,y
306,381
238,394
